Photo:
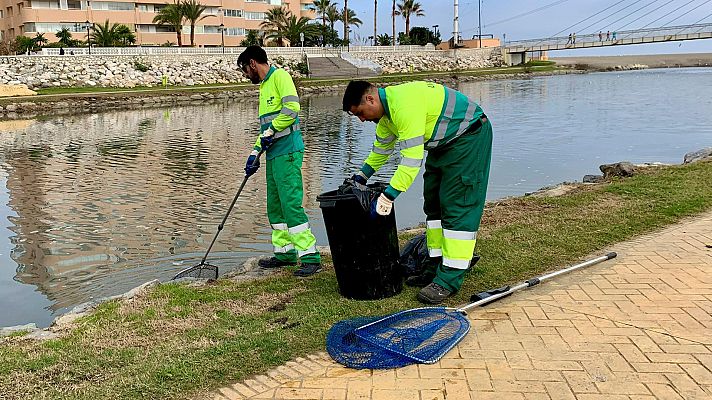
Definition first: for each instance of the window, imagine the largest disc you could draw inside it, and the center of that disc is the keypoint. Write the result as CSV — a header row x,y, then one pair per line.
x,y
257,1
44,4
45,27
254,16
211,29
145,7
112,6
74,5
233,13
9,11
235,32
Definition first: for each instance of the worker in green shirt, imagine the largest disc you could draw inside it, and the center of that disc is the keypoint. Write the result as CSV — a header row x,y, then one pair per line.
x,y
281,140
419,116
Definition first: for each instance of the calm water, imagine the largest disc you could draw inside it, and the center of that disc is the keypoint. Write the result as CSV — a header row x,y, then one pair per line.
x,y
93,205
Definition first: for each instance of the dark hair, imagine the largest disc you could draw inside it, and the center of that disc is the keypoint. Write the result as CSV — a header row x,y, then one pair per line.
x,y
354,93
256,53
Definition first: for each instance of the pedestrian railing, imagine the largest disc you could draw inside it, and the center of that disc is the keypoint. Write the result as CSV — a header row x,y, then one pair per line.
x,y
158,50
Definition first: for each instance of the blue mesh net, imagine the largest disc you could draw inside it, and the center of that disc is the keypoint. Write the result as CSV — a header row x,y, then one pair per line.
x,y
420,335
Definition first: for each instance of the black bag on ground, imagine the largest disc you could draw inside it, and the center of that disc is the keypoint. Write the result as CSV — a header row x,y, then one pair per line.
x,y
414,256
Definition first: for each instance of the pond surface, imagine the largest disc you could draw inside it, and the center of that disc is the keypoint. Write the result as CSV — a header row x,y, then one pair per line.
x,y
94,205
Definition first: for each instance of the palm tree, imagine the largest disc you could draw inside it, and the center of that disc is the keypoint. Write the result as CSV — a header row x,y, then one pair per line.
x,y
383,40
275,22
124,36
375,14
293,28
407,9
105,35
345,18
172,15
65,37
321,6
40,40
333,15
350,16
393,19
193,12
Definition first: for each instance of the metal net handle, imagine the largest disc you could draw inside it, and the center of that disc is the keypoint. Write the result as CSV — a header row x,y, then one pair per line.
x,y
533,282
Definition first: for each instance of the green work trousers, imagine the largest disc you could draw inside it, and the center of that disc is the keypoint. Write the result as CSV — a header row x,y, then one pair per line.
x,y
291,236
455,188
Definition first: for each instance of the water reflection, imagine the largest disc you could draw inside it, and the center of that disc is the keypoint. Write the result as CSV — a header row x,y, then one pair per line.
x,y
93,205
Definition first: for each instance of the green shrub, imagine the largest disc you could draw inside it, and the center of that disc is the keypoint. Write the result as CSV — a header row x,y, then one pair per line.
x,y
139,66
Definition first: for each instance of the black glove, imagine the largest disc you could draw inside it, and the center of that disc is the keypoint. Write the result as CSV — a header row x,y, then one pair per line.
x,y
252,165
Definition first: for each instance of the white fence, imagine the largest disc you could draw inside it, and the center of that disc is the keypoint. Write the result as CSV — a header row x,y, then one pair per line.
x,y
312,51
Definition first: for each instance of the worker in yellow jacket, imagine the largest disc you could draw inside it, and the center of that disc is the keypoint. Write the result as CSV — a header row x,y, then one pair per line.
x,y
281,140
419,116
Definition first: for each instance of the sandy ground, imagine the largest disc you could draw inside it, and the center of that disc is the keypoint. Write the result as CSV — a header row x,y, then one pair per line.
x,y
652,60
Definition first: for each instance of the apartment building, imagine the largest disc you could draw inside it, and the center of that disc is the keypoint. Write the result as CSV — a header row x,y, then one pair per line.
x,y
29,17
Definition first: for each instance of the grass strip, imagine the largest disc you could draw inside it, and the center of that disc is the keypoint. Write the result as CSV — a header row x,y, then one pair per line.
x,y
178,341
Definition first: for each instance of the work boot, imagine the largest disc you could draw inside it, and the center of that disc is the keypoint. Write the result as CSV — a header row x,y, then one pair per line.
x,y
422,280
433,294
307,269
273,262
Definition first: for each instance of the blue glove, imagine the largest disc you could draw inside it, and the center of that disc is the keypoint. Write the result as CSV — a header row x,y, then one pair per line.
x,y
359,178
267,138
252,164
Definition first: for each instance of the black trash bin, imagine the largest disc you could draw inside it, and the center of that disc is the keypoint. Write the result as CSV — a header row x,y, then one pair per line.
x,y
364,249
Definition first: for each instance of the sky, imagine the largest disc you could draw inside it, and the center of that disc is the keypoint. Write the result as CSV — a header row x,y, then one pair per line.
x,y
544,23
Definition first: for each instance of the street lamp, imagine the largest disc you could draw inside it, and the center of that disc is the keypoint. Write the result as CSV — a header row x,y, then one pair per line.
x,y
222,37
88,36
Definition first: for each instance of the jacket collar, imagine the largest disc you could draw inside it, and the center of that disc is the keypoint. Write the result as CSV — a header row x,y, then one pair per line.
x,y
269,73
384,101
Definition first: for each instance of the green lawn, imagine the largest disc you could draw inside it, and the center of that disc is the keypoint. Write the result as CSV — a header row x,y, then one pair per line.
x,y
179,341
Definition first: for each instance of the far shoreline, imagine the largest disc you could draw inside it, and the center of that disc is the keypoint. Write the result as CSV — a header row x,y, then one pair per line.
x,y
649,60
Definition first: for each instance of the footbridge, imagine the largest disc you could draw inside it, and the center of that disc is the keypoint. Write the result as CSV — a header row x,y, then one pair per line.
x,y
516,52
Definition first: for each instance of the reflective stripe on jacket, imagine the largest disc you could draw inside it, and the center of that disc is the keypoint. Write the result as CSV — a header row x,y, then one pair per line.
x,y
279,109
418,116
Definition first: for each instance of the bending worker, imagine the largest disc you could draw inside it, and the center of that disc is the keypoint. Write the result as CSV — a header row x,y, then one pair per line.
x,y
421,116
281,139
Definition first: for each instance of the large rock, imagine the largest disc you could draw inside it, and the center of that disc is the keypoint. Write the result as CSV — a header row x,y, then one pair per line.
x,y
698,155
620,169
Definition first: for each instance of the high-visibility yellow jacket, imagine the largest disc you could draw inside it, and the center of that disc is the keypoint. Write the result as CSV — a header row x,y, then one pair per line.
x,y
418,116
279,108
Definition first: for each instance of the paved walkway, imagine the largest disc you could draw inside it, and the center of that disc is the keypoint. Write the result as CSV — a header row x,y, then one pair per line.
x,y
636,327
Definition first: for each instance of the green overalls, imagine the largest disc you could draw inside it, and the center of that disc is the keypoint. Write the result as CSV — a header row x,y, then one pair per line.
x,y
279,105
423,116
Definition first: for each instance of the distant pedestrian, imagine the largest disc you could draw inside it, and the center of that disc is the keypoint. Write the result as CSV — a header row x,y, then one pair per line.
x,y
600,36
61,51
569,42
614,35
573,38
608,36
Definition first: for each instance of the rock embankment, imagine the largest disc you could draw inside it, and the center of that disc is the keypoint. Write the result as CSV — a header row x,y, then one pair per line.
x,y
391,63
128,71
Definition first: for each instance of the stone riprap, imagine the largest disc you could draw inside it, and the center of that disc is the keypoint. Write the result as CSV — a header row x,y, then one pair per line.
x,y
127,71
462,59
188,70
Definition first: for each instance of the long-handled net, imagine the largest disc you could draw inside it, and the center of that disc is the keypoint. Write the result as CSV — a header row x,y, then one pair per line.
x,y
205,270
420,335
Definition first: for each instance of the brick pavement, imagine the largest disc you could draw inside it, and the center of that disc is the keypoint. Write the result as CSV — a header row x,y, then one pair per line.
x,y
636,327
